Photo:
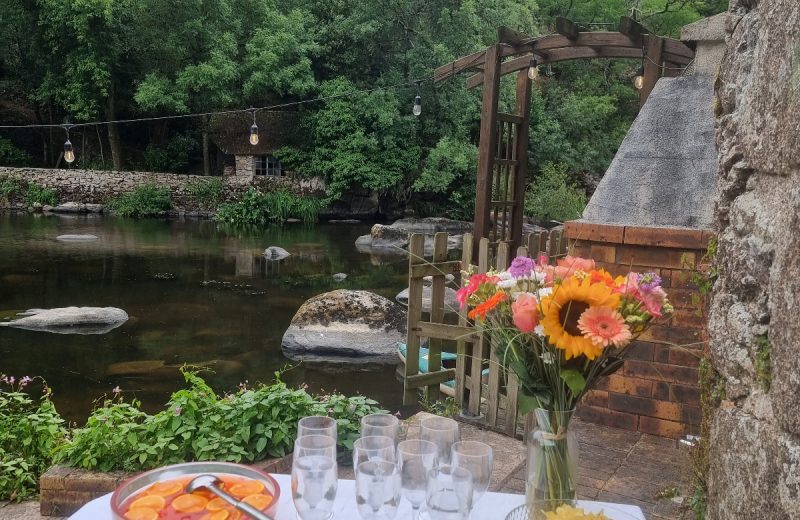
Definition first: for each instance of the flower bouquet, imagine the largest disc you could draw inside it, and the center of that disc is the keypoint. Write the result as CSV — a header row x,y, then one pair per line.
x,y
558,329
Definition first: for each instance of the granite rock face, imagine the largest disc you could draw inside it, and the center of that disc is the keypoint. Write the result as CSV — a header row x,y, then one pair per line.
x,y
755,440
346,326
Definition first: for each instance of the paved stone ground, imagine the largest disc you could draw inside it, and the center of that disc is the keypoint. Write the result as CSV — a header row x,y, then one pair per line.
x,y
626,467
615,466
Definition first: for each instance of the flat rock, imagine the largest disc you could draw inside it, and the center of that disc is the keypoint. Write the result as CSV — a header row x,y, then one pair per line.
x,y
69,207
450,302
339,277
76,238
394,237
70,320
347,326
276,253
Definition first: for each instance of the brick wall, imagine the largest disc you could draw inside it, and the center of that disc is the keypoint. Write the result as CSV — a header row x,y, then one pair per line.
x,y
656,391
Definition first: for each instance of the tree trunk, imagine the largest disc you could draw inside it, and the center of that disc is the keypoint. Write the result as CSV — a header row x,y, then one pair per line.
x,y
113,132
206,155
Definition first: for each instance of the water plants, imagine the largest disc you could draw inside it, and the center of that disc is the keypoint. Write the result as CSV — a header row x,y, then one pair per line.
x,y
258,208
41,195
146,200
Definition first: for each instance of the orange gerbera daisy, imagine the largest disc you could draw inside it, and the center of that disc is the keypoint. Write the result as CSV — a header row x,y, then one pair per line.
x,y
481,309
562,309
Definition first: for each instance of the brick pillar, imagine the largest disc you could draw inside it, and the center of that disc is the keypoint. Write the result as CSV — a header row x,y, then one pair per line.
x,y
656,391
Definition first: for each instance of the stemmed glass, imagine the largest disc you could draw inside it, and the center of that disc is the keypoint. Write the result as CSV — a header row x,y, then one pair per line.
x,y
377,490
317,425
373,448
477,458
441,431
415,460
380,424
314,476
449,494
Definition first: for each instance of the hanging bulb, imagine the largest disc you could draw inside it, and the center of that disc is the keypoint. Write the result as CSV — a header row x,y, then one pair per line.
x,y
638,80
69,153
417,105
533,69
254,134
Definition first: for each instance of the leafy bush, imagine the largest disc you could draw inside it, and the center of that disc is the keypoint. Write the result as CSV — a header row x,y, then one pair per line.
x,y
257,208
552,196
247,426
173,157
450,170
10,185
30,432
44,196
207,192
10,155
145,200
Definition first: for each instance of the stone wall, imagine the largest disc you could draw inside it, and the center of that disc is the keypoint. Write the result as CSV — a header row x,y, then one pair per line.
x,y
656,390
753,325
97,187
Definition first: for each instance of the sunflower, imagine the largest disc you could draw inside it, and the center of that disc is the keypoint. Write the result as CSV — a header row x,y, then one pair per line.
x,y
562,309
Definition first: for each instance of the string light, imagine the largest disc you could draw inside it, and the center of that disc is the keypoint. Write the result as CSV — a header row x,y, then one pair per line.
x,y
638,80
69,153
417,110
533,70
254,131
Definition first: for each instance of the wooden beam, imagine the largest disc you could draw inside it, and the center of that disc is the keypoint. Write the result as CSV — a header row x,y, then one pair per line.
x,y
584,39
652,66
523,110
431,378
511,37
486,146
567,27
631,28
467,62
435,269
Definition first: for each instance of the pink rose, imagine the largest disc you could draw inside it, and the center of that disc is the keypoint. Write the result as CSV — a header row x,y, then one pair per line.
x,y
525,312
576,263
653,300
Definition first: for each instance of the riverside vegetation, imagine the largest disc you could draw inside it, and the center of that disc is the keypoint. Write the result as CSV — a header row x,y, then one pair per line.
x,y
197,423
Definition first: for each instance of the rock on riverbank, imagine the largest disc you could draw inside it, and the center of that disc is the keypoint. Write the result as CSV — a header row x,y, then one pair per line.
x,y
70,320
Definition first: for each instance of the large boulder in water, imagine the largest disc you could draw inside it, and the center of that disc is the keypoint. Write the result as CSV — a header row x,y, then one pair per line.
x,y
71,320
276,253
394,237
351,326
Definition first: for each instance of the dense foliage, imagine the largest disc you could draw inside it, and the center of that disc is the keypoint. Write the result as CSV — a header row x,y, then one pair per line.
x,y
144,201
114,59
553,196
258,208
248,425
207,192
30,432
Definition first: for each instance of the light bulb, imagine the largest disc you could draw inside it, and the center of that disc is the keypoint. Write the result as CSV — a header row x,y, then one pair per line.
x,y
638,80
417,106
69,154
254,135
533,72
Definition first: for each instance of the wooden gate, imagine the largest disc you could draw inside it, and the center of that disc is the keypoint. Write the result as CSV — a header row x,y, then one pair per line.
x,y
482,389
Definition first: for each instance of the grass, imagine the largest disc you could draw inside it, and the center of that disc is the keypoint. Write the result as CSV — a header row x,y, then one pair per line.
x,y
206,192
146,200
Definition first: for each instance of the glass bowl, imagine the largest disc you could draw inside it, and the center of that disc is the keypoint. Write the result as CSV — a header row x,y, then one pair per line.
x,y
537,511
136,484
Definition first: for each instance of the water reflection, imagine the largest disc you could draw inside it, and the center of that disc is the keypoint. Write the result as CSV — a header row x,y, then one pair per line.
x,y
195,294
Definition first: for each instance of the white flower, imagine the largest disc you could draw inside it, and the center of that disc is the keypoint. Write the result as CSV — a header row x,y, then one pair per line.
x,y
548,358
539,331
515,295
539,276
544,291
505,275
507,284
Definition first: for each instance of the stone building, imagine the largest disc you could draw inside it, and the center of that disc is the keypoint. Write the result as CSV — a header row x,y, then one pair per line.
x,y
231,134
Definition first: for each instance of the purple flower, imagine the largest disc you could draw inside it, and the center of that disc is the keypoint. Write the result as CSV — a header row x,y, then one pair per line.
x,y
649,281
521,266
117,390
23,382
177,411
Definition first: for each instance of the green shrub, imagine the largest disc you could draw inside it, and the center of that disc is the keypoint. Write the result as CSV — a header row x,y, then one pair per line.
x,y
257,208
552,196
44,196
173,157
207,192
30,432
197,424
10,155
145,200
10,185
449,174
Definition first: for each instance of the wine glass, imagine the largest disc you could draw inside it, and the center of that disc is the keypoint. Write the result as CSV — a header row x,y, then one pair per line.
x,y
415,460
317,425
449,493
477,458
314,476
373,448
377,490
382,424
441,431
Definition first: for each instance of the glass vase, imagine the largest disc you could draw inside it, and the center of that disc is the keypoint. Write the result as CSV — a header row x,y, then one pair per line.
x,y
552,458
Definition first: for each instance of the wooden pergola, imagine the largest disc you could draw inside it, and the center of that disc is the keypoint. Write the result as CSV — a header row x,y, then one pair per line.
x,y
503,147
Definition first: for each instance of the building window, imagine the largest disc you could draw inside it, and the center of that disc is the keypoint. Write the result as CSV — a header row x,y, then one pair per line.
x,y
268,165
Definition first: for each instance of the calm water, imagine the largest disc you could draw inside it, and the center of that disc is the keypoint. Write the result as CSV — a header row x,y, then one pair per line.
x,y
195,294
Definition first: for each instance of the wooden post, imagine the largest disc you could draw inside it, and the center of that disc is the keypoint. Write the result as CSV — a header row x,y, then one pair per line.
x,y
416,252
488,143
461,345
652,66
524,85
437,313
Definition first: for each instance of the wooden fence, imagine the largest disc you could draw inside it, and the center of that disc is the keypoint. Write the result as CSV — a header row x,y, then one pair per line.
x,y
483,390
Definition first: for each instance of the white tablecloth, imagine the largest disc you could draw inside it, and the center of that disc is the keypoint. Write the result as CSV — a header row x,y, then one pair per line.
x,y
492,506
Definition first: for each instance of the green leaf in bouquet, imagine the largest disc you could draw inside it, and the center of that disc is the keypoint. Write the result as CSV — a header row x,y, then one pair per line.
x,y
574,380
526,404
